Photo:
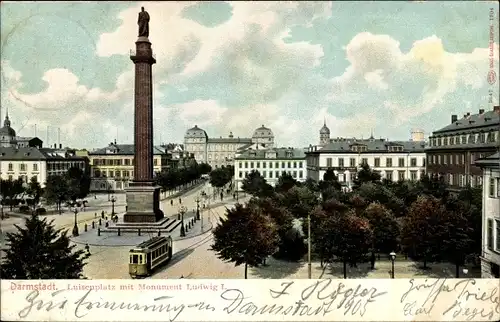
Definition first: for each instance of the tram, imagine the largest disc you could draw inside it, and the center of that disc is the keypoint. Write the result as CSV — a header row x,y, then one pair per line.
x,y
149,255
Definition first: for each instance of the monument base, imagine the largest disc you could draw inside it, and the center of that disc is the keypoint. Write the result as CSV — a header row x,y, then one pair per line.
x,y
143,204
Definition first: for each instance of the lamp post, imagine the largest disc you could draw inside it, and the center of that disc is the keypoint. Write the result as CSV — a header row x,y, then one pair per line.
x,y
182,211
309,266
393,258
197,200
113,200
75,228
1,206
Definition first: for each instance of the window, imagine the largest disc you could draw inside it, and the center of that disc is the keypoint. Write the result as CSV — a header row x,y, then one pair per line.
x,y
413,175
289,164
270,174
276,174
240,165
301,174
134,259
388,175
282,165
241,174
491,191
388,162
258,164
490,234
270,165
300,164
35,167
352,162
401,175
264,174
364,161
117,174
462,180
246,165
401,162
295,164
445,141
413,162
22,167
277,165
353,176
11,178
251,165
377,162
329,162
295,174
341,162
464,139
497,223
127,162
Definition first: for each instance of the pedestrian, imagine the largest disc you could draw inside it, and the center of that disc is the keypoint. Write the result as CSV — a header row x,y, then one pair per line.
x,y
172,202
180,201
102,214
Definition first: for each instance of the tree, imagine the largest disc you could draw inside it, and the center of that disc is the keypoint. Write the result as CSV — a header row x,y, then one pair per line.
x,y
298,200
330,179
35,191
373,192
245,237
364,175
385,228
434,186
56,191
285,183
39,251
421,235
220,177
78,184
10,190
311,185
255,185
204,168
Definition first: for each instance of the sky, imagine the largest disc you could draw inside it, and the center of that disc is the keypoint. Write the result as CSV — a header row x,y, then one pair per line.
x,y
363,67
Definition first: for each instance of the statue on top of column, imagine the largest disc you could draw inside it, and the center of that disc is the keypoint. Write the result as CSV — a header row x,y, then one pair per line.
x,y
143,22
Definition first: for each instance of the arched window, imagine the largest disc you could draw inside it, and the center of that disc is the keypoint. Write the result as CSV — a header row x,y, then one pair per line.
x,y
11,167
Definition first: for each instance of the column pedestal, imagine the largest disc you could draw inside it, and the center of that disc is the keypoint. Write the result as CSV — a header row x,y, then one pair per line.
x,y
143,204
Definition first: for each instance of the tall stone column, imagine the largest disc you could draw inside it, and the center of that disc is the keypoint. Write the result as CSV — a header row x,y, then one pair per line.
x,y
143,197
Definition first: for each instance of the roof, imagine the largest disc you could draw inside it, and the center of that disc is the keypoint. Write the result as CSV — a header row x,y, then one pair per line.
x,y
374,145
34,154
230,140
6,129
262,132
324,130
124,149
281,154
196,132
492,161
485,119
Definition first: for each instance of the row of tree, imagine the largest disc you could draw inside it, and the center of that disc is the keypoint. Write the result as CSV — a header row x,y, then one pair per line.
x,y
221,176
59,189
178,178
417,218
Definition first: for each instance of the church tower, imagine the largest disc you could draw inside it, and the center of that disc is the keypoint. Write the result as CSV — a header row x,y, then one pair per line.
x,y
324,134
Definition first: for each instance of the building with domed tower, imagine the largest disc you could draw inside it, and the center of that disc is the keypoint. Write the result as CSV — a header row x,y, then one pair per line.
x,y
221,151
9,139
324,134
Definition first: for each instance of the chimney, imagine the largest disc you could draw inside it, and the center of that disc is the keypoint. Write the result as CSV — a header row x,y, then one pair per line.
x,y
496,109
60,146
454,118
481,111
55,145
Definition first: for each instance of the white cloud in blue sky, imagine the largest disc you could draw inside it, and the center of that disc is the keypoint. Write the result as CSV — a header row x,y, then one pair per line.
x,y
233,66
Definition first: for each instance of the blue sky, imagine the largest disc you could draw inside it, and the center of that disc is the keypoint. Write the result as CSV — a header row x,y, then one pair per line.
x,y
386,67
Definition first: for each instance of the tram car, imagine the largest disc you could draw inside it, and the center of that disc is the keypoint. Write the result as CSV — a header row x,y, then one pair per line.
x,y
146,257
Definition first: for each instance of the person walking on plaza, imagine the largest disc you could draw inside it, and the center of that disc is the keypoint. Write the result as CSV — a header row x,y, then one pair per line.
x,y
172,202
180,201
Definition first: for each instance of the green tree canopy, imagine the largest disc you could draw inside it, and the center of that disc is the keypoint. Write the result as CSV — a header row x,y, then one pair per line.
x,y
255,185
34,190
385,227
364,175
56,190
39,251
421,235
245,237
78,184
285,183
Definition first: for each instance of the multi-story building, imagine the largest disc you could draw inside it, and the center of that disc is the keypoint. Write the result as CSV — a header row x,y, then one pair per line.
x,y
271,164
221,151
490,257
393,160
453,149
112,167
8,137
30,162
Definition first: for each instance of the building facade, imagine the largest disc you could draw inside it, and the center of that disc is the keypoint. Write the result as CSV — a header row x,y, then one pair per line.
x,y
393,160
112,167
8,137
453,149
222,151
271,164
26,163
490,257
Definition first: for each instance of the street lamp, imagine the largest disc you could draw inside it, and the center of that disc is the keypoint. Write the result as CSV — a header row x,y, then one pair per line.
x,y
393,258
75,228
1,206
197,200
113,200
182,211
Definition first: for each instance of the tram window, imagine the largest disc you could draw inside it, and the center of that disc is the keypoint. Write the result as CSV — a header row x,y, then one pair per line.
x,y
134,259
